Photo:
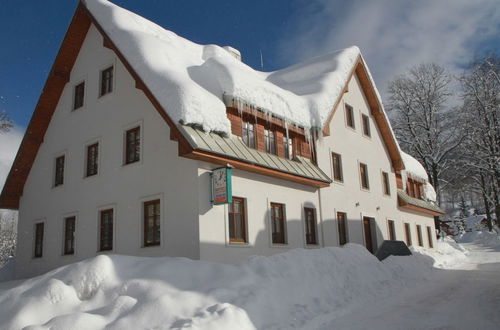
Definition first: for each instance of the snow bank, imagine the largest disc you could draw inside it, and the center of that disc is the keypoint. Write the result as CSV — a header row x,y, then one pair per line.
x,y
447,254
283,291
485,238
189,80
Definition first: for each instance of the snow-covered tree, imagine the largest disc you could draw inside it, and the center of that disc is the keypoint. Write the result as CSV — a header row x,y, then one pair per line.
x,y
5,122
8,236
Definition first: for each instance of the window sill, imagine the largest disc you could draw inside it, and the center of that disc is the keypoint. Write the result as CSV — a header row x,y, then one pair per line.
x,y
238,244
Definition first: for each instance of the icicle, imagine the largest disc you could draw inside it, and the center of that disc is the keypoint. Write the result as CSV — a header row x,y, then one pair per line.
x,y
239,106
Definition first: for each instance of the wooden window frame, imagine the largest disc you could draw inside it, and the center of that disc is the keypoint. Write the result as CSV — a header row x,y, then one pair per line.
x,y
135,144
349,116
278,238
79,95
364,177
270,141
231,218
59,166
106,83
391,229
156,239
338,173
105,228
311,237
365,123
288,150
408,234
69,235
343,230
92,167
386,187
38,233
248,128
429,236
419,236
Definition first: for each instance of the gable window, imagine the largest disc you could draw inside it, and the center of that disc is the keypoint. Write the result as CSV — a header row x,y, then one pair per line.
x,y
237,221
342,226
391,229
311,235
278,223
59,171
408,234
337,167
106,81
133,145
363,171
92,159
385,183
152,223
78,95
288,147
106,230
419,235
69,235
249,134
349,116
270,141
429,236
366,125
38,248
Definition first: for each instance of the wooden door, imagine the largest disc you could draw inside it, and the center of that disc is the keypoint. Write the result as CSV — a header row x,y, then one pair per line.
x,y
368,233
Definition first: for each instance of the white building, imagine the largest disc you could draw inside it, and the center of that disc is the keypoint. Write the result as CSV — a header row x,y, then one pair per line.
x,y
133,119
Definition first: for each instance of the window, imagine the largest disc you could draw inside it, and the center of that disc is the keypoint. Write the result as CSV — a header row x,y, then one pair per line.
x,y
133,145
385,183
408,234
38,251
414,188
366,125
59,175
278,223
270,141
106,81
337,167
429,236
391,229
152,223
342,225
249,134
349,116
311,237
92,159
69,235
419,235
106,230
237,221
288,147
78,95
363,171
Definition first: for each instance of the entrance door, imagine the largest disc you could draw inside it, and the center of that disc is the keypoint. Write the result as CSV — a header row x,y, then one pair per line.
x,y
367,227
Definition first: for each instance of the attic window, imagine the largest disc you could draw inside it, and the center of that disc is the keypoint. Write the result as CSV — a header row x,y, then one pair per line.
x,y
366,125
249,134
106,81
288,147
349,116
78,96
270,141
59,171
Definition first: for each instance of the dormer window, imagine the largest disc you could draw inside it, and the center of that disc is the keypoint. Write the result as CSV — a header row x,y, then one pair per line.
x,y
414,189
270,141
249,134
288,147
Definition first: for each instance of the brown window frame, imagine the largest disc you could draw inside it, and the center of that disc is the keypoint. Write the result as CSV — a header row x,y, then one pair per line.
x,y
408,234
59,170
249,134
69,235
385,183
106,227
349,113
429,237
38,239
364,178
419,235
232,221
156,225
365,121
133,146
338,174
278,221
79,95
288,147
311,224
92,164
270,141
391,229
343,228
106,81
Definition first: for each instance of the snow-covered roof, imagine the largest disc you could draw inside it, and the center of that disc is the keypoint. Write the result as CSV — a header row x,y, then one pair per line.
x,y
189,80
413,167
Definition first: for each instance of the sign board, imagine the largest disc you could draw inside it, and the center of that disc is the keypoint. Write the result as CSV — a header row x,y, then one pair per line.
x,y
221,186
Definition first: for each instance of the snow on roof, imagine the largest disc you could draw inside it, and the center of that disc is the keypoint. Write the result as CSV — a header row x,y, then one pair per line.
x,y
189,80
413,167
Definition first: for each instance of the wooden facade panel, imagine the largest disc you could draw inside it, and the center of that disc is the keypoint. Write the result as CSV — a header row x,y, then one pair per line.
x,y
260,137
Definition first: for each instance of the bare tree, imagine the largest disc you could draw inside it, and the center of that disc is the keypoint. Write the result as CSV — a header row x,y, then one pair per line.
x,y
5,122
424,124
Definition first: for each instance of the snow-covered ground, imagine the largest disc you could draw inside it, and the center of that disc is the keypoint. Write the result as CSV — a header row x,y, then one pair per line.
x,y
329,288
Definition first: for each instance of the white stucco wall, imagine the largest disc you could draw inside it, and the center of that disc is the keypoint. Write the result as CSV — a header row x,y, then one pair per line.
x,y
159,174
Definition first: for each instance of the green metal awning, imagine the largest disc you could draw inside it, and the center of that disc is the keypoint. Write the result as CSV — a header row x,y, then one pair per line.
x,y
404,198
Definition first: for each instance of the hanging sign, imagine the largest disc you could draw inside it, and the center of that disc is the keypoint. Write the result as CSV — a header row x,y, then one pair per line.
x,y
221,186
